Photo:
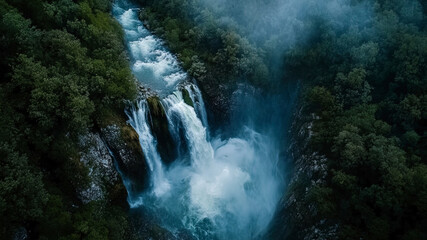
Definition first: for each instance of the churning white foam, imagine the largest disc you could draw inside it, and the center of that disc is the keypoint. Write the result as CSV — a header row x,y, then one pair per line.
x,y
229,189
151,63
219,189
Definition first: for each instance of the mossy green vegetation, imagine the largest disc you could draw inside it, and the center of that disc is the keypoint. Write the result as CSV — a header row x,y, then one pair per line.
x,y
156,108
127,133
63,69
187,98
160,127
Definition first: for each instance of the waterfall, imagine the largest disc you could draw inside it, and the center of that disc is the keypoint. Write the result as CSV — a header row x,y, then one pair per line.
x,y
178,110
231,186
138,120
216,188
199,104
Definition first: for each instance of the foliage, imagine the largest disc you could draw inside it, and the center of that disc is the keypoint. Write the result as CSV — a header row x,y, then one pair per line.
x,y
63,67
22,194
209,51
369,103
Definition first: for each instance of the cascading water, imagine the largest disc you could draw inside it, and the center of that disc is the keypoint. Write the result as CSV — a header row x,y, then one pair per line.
x,y
178,110
196,97
138,120
157,68
221,189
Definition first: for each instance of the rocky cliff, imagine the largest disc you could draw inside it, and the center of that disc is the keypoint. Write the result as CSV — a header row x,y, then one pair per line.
x,y
297,214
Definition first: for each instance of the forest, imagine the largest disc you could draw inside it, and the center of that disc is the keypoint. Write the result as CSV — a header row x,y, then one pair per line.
x,y
63,69
367,87
363,75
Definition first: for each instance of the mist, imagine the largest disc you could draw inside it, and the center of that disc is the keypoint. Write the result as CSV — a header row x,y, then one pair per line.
x,y
277,26
226,184
225,188
264,20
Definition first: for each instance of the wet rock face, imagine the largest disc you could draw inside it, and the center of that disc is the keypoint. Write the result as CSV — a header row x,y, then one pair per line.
x,y
160,129
123,143
228,106
187,98
297,216
103,175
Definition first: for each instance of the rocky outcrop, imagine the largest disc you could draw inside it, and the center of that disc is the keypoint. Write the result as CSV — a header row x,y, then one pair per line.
x,y
160,129
102,173
187,98
123,143
297,216
218,102
145,224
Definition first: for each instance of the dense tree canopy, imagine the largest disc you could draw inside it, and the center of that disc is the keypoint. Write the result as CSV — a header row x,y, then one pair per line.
x,y
370,99
63,68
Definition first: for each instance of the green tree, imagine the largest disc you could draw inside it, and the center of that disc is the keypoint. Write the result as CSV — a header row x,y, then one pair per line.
x,y
22,192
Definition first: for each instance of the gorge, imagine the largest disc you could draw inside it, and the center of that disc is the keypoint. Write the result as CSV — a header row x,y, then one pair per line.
x,y
214,187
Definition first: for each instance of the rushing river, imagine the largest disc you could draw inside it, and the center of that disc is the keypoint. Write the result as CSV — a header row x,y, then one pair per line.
x,y
217,188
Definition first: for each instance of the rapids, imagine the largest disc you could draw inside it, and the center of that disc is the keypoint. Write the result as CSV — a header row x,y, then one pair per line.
x,y
220,188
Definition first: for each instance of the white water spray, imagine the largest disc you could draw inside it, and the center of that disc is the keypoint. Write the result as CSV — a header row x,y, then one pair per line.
x,y
199,104
224,189
138,120
150,61
230,188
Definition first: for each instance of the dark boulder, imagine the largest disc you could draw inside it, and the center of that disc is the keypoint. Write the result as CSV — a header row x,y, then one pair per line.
x,y
123,142
160,129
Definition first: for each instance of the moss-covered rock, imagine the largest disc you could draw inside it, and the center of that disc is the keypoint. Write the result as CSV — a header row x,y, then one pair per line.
x,y
127,133
187,98
131,138
160,129
123,142
156,107
117,195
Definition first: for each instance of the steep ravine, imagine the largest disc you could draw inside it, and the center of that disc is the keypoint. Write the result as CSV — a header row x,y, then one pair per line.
x,y
168,159
190,180
120,139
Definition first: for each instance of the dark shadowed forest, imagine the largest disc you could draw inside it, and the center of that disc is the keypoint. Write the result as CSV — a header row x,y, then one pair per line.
x,y
361,68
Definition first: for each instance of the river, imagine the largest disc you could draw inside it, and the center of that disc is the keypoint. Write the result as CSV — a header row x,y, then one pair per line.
x,y
217,188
